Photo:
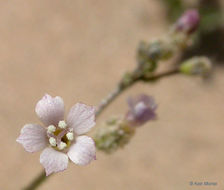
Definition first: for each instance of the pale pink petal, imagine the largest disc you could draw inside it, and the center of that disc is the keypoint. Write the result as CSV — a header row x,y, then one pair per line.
x,y
81,118
53,160
83,151
33,137
50,110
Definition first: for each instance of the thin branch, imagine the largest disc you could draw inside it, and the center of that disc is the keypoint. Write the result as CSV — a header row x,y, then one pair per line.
x,y
119,90
37,181
160,75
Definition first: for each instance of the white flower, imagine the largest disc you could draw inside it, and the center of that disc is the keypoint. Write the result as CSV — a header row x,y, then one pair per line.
x,y
61,140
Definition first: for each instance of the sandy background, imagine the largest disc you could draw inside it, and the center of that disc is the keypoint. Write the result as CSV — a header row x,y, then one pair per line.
x,y
79,50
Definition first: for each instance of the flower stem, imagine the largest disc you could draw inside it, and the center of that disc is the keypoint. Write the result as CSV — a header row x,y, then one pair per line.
x,y
37,181
111,97
120,89
160,75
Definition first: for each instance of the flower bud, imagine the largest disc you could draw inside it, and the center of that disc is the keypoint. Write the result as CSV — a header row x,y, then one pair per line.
x,y
141,109
112,135
155,51
188,22
160,50
196,66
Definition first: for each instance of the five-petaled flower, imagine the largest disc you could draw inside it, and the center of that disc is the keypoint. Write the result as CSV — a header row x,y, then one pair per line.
x,y
141,109
60,139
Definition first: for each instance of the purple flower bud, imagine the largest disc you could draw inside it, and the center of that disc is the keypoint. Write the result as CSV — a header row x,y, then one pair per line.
x,y
188,22
141,109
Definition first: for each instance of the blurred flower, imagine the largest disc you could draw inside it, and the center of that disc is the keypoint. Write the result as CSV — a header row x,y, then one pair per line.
x,y
117,132
188,22
141,109
196,66
60,139
113,134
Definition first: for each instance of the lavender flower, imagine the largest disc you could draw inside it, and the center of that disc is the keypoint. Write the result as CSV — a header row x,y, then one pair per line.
x,y
189,21
60,139
142,109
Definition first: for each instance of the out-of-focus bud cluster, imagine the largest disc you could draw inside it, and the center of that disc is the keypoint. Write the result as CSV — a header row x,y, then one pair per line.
x,y
163,49
150,53
196,66
117,132
112,135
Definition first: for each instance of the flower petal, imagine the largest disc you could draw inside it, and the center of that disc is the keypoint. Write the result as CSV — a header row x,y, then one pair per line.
x,y
33,137
141,109
53,160
147,100
50,110
83,151
81,118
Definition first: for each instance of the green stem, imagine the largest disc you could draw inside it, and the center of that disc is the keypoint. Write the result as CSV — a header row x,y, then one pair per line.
x,y
160,75
37,181
120,89
111,97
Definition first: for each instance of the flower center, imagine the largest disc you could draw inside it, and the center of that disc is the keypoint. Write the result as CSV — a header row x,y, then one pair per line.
x,y
60,137
140,108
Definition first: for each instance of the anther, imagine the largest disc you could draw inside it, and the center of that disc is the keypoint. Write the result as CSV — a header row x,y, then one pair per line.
x,y
62,124
70,136
52,141
51,129
62,145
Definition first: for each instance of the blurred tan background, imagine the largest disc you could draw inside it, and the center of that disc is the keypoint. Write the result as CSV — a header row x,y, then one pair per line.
x,y
79,49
